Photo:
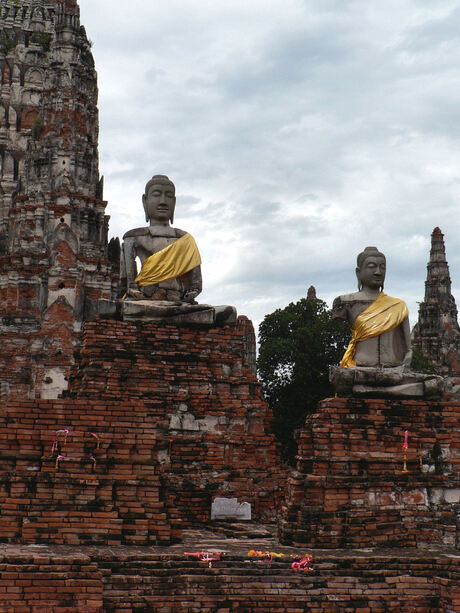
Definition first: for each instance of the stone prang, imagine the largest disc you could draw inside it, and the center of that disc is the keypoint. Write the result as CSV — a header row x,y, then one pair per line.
x,y
54,264
437,333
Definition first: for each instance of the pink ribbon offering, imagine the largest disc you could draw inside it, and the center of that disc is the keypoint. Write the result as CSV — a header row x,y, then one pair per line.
x,y
65,433
304,566
55,446
406,436
204,556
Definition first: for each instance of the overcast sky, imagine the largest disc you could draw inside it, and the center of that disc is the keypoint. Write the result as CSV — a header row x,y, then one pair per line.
x,y
297,132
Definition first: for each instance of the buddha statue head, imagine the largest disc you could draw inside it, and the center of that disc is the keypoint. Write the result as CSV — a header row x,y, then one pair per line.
x,y
159,200
371,269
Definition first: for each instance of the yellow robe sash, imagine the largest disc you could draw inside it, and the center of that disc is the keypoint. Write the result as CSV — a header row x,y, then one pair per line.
x,y
171,262
384,314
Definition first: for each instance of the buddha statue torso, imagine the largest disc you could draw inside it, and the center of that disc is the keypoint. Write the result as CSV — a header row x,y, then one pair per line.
x,y
144,242
387,349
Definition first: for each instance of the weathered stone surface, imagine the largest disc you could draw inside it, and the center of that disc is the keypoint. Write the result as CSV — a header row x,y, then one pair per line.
x,y
437,333
54,263
178,313
230,508
386,383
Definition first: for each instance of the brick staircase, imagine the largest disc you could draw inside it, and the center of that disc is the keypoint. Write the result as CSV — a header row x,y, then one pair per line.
x,y
127,580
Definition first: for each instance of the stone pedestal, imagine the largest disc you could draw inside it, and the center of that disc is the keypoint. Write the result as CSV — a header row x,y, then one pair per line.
x,y
168,312
378,382
354,487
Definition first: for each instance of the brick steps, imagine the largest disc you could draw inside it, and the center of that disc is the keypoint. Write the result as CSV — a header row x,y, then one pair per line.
x,y
334,585
109,580
399,527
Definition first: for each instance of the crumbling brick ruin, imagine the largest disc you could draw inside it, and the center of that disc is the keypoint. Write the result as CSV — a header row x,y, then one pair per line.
x,y
117,436
437,333
53,229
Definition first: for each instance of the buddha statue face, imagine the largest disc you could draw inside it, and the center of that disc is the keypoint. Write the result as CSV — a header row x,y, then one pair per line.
x,y
159,200
371,269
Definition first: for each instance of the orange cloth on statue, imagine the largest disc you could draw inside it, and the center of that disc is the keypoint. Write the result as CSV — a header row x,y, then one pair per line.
x,y
171,262
384,314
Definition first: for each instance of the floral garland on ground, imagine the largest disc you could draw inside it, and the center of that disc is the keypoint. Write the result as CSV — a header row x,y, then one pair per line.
x,y
204,556
301,564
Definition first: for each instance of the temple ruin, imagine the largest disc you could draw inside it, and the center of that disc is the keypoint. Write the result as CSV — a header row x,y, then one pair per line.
x,y
138,469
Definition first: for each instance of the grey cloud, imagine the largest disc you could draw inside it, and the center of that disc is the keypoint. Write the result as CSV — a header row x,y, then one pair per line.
x,y
332,129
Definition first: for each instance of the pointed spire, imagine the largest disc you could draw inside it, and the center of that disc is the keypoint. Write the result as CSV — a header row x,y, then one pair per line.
x,y
438,283
437,333
311,293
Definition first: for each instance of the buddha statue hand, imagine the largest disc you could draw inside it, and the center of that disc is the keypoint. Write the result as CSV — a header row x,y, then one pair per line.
x,y
133,292
190,295
407,360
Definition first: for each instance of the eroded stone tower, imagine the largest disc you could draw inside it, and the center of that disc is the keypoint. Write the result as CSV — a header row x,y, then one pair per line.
x,y
437,333
53,229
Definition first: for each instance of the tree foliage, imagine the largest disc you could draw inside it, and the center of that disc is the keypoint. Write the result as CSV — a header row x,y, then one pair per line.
x,y
297,346
420,363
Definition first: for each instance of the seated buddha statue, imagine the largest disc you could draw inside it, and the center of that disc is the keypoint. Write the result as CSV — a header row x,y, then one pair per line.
x,y
377,361
169,280
174,271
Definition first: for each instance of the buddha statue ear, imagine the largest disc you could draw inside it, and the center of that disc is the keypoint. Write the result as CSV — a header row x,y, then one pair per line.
x,y
360,285
171,219
145,210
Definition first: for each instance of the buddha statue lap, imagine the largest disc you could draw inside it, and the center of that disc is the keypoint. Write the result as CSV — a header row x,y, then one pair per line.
x,y
377,361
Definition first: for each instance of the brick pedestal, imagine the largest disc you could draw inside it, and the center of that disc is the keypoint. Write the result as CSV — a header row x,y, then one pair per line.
x,y
350,488
159,421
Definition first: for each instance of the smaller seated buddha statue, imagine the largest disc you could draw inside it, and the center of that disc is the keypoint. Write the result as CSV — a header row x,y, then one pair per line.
x,y
377,361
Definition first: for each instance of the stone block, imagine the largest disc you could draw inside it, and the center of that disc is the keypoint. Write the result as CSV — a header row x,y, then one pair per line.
x,y
230,508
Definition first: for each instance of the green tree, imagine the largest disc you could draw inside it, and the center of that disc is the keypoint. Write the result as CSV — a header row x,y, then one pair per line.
x,y
420,363
297,346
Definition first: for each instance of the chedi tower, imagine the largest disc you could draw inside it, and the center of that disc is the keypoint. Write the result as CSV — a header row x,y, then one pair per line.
x,y
54,262
437,333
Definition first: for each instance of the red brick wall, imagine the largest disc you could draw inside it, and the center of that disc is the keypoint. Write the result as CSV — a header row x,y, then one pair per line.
x,y
109,494
350,489
201,389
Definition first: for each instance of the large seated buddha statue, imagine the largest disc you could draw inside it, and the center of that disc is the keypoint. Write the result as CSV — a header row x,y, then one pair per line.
x,y
377,361
169,280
